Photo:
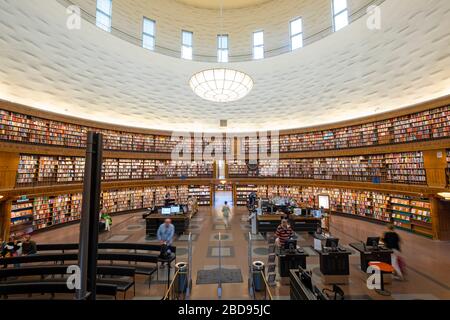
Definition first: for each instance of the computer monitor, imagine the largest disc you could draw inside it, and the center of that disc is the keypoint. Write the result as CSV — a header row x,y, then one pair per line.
x,y
316,213
373,241
175,209
290,244
165,211
332,243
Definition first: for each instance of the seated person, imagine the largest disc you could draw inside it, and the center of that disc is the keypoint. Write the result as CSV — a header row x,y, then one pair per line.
x,y
28,246
283,233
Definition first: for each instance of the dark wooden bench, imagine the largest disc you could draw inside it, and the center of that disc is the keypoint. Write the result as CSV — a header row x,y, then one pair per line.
x,y
105,274
147,270
104,246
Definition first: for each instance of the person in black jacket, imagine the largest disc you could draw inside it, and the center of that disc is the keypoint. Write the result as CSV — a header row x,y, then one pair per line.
x,y
391,240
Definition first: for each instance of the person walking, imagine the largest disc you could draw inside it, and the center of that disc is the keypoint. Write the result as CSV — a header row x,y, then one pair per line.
x,y
391,240
226,211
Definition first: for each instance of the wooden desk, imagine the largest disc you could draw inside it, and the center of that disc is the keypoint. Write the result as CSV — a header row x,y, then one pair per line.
x,y
288,261
304,223
153,221
334,263
368,254
268,222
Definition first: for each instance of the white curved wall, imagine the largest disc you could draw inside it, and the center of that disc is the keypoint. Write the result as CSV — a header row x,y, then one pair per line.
x,y
171,17
356,72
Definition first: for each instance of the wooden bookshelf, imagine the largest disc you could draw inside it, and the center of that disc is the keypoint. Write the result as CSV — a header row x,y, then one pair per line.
x,y
419,126
44,170
242,193
202,193
406,168
21,217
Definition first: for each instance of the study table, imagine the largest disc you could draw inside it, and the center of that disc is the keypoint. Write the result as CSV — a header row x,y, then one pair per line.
x,y
370,254
334,263
291,260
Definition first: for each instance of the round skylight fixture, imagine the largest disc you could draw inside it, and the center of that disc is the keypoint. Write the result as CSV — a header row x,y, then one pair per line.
x,y
221,85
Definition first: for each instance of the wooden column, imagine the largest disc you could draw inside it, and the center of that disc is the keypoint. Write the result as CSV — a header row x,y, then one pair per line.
x,y
435,163
9,164
440,217
5,219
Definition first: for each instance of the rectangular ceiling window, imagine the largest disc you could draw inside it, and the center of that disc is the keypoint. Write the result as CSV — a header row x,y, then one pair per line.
x,y
258,45
222,48
104,14
340,14
186,44
148,34
296,30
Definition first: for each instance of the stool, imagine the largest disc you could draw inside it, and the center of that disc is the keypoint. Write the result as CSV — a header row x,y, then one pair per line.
x,y
384,268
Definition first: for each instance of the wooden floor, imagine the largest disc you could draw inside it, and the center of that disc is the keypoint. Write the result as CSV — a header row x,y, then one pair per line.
x,y
428,261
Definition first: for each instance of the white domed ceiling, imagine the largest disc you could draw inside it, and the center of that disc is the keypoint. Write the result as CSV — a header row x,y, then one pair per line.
x,y
226,4
92,74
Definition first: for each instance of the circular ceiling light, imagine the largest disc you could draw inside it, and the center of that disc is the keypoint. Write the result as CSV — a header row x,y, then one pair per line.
x,y
221,85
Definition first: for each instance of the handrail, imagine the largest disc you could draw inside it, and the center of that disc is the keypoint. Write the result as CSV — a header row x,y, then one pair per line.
x,y
267,287
171,286
250,271
286,48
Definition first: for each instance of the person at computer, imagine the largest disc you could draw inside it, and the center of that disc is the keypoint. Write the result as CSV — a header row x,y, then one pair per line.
x,y
283,233
165,234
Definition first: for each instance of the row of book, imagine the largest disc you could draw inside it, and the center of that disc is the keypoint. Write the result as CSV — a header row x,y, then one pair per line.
x,y
30,214
35,169
407,167
430,124
19,127
409,213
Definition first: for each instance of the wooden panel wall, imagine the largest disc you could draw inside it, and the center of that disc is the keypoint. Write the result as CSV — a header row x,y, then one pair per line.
x,y
5,218
440,211
435,163
9,164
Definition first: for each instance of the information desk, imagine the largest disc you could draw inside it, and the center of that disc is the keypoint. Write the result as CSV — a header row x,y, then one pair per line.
x,y
368,254
334,263
153,221
304,223
288,261
268,222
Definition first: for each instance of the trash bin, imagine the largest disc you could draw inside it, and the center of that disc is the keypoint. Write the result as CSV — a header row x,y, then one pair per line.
x,y
181,282
258,269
